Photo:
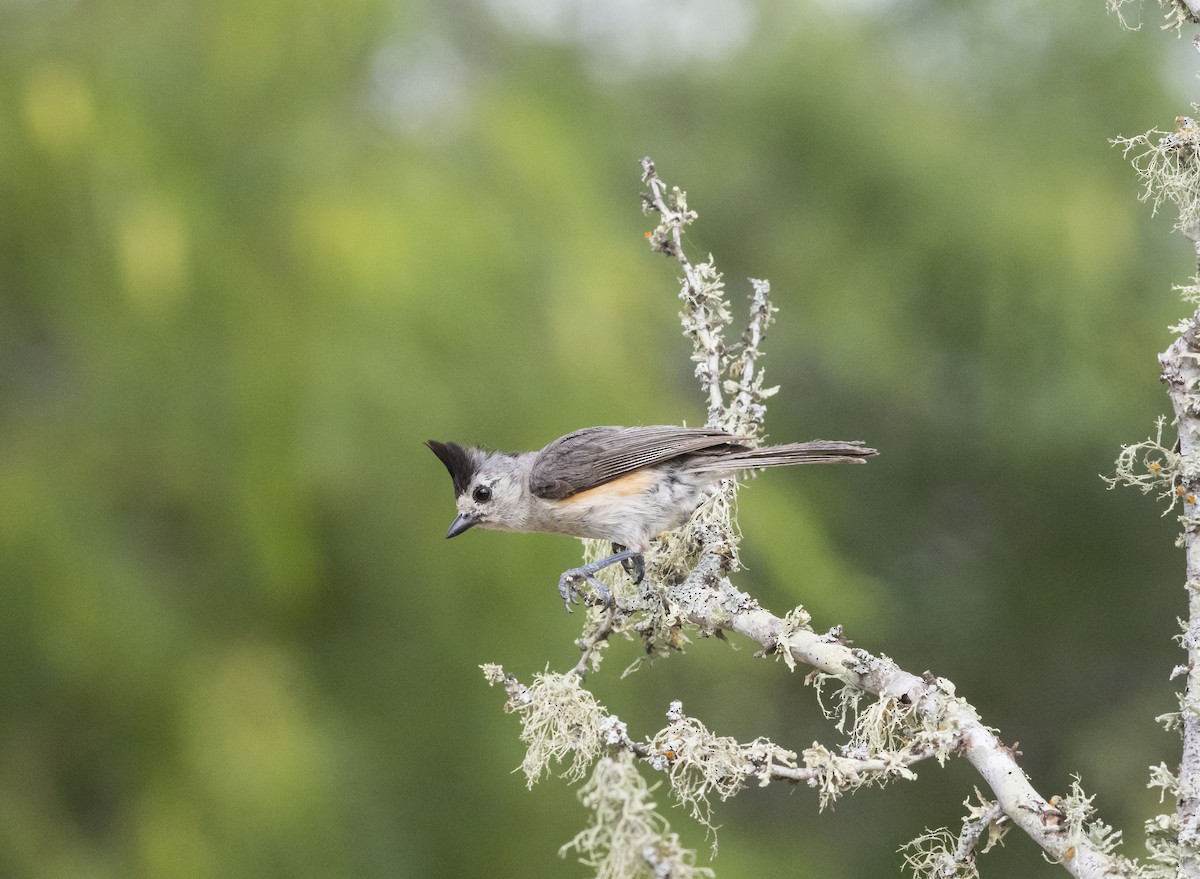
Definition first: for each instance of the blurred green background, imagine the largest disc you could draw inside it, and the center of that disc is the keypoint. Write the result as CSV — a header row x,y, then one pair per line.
x,y
253,253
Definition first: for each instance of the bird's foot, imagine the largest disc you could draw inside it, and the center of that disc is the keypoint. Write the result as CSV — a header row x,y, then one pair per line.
x,y
567,583
634,565
569,590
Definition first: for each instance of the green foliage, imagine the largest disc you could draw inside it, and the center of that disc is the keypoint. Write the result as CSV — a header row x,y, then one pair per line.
x,y
252,253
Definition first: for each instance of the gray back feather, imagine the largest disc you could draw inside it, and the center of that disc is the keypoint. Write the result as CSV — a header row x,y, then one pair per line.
x,y
595,455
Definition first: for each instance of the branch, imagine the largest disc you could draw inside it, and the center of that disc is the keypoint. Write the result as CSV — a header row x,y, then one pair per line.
x,y
698,761
715,602
564,722
705,314
747,410
1168,164
938,853
1181,372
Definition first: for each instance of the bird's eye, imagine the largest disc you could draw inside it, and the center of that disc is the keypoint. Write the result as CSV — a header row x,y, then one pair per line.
x,y
482,494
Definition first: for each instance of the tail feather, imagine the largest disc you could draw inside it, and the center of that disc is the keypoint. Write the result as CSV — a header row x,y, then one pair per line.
x,y
814,452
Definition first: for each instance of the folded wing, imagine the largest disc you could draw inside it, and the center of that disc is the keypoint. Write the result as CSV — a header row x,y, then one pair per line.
x,y
596,455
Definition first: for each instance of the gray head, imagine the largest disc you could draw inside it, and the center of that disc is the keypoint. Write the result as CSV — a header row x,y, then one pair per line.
x,y
489,487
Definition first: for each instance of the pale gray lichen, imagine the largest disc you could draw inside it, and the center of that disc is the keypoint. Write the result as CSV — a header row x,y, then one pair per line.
x,y
940,854
1162,831
882,725
834,775
885,737
1082,827
560,721
882,741
1177,14
795,620
711,531
1166,164
627,837
931,856
1149,466
1170,721
1189,293
700,763
1165,780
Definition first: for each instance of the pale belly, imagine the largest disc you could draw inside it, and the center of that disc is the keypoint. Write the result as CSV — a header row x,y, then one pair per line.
x,y
630,511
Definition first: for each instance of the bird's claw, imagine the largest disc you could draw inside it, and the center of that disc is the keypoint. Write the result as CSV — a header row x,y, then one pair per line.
x,y
570,592
631,561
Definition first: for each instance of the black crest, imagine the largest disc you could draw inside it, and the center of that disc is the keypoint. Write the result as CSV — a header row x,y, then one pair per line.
x,y
459,462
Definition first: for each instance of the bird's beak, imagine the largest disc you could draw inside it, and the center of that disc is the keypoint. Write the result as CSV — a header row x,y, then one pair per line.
x,y
460,524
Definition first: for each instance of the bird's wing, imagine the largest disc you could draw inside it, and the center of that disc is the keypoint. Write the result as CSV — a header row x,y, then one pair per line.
x,y
596,455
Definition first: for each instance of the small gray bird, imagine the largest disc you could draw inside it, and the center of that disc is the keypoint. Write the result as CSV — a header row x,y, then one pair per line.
x,y
626,485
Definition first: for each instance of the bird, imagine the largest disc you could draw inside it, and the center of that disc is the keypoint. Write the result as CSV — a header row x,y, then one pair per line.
x,y
626,485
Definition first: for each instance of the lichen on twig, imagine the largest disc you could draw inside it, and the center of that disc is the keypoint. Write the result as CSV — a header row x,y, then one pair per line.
x,y
1150,467
1166,164
700,763
1177,13
722,367
940,854
627,837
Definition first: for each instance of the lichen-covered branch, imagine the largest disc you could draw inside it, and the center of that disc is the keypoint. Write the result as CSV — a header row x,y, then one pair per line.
x,y
706,314
939,854
1168,165
563,725
1181,372
934,706
721,368
627,836
892,719
911,718
747,409
1165,163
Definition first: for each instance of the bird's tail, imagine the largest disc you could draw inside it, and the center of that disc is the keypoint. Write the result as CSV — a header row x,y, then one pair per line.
x,y
814,452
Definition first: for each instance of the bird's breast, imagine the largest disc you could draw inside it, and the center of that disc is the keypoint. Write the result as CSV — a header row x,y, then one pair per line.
x,y
629,510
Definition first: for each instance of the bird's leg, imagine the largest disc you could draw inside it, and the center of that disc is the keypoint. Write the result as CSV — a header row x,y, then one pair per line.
x,y
566,585
635,565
